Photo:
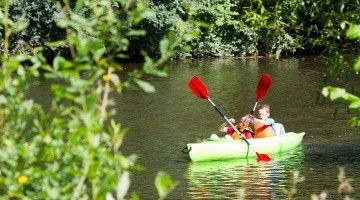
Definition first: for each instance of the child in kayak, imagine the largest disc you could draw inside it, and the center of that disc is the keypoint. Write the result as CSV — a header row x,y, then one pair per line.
x,y
264,114
245,127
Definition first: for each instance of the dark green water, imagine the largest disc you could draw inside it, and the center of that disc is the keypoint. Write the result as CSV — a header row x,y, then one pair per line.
x,y
161,124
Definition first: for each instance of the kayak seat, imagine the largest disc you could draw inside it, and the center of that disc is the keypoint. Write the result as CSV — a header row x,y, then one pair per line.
x,y
279,129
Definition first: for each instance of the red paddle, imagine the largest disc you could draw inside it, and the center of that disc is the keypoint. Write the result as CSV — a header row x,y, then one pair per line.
x,y
200,90
262,89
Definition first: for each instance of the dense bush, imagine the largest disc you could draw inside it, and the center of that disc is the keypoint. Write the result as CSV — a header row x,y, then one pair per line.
x,y
226,27
243,28
42,28
72,150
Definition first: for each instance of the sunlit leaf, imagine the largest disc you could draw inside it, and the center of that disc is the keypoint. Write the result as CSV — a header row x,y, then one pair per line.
x,y
355,105
338,93
94,139
357,65
325,91
164,184
146,86
343,25
147,66
354,121
123,185
136,33
56,43
160,72
115,79
134,196
21,71
98,54
334,93
164,46
61,63
109,196
353,31
79,5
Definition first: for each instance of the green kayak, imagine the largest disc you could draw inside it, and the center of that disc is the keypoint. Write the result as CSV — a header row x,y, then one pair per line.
x,y
222,149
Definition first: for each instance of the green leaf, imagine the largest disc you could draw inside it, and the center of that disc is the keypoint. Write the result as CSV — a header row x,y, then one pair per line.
x,y
164,184
98,53
109,196
338,93
123,186
355,105
61,63
164,46
357,65
160,72
148,64
325,91
136,33
134,196
56,43
146,86
353,32
115,79
334,93
79,5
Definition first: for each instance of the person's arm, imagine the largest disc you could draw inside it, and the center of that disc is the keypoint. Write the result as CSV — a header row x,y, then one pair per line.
x,y
264,122
224,127
272,122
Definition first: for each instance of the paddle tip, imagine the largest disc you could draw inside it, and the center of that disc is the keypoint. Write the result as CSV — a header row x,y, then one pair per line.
x,y
198,88
263,157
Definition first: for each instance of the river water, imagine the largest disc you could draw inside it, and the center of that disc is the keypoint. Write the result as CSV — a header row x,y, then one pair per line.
x,y
161,124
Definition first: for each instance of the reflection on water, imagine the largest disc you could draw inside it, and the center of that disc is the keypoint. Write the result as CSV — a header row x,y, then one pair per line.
x,y
243,179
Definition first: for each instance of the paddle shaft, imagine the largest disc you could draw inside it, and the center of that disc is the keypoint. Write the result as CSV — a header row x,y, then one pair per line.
x,y
255,106
229,122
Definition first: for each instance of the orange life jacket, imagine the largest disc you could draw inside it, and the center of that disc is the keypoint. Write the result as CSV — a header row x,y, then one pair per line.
x,y
262,130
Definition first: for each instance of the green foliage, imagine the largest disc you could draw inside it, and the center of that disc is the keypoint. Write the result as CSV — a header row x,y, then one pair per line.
x,y
353,31
335,93
225,27
9,27
71,151
242,28
233,28
165,19
225,34
164,184
41,16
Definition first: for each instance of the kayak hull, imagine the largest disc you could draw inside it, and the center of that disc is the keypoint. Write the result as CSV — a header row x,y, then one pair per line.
x,y
221,149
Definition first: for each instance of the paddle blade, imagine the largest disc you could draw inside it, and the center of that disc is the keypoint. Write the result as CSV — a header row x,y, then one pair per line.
x,y
198,88
263,86
262,157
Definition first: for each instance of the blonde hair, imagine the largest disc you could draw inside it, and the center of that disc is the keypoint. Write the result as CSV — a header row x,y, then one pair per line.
x,y
265,107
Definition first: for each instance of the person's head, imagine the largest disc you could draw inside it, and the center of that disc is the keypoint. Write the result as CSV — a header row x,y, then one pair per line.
x,y
264,111
247,121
